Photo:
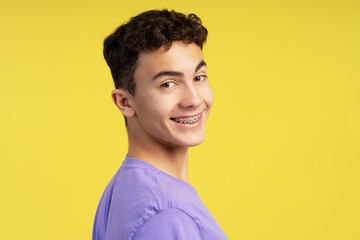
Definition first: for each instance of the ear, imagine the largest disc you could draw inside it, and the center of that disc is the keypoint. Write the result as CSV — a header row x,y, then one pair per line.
x,y
123,100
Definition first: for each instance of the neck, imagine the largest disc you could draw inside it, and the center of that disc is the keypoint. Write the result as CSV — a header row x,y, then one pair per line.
x,y
171,160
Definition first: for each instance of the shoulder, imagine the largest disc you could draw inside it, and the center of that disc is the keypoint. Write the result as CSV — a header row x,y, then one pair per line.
x,y
133,196
133,184
168,224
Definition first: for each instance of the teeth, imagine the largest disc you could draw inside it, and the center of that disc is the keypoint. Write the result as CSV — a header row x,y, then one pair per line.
x,y
190,120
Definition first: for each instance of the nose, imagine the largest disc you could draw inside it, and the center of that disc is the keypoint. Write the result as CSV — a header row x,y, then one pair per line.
x,y
190,97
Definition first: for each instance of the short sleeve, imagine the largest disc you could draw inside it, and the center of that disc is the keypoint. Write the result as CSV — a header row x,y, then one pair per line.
x,y
169,224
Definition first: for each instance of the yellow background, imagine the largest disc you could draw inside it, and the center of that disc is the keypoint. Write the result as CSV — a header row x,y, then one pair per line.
x,y
281,158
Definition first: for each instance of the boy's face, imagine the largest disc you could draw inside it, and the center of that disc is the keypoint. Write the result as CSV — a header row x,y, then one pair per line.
x,y
172,88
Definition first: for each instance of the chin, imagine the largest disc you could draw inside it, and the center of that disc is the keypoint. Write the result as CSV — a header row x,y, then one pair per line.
x,y
194,145
193,142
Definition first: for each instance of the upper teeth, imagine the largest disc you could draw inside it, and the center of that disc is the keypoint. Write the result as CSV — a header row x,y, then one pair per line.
x,y
190,120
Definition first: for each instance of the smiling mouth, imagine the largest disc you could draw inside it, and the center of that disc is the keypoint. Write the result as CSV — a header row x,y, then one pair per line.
x,y
189,120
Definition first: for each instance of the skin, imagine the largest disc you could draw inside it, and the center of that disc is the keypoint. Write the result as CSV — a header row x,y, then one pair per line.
x,y
170,83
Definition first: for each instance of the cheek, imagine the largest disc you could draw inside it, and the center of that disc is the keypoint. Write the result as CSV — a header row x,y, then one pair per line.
x,y
164,104
208,96
148,105
157,109
156,105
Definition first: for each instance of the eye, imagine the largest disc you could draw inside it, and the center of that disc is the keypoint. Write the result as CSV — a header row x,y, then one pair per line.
x,y
200,78
168,85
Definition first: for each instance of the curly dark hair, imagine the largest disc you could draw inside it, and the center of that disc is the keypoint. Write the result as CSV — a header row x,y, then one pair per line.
x,y
148,31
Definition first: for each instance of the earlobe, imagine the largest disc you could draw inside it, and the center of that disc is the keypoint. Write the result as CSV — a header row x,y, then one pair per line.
x,y
123,101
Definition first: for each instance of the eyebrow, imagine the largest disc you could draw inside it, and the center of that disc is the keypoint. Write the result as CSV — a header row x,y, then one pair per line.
x,y
175,73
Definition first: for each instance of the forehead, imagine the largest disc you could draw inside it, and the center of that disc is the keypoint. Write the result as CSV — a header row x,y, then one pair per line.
x,y
180,57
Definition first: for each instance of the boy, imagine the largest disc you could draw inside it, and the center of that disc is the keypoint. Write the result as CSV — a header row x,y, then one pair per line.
x,y
163,92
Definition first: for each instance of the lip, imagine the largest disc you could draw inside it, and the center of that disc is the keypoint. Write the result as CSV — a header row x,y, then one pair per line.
x,y
189,115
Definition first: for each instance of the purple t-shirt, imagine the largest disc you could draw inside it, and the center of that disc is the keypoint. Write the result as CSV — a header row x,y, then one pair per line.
x,y
142,202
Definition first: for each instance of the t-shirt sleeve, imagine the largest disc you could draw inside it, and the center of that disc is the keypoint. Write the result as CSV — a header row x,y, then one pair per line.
x,y
169,224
